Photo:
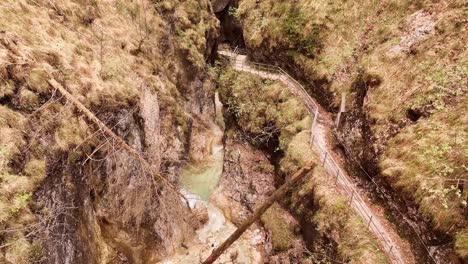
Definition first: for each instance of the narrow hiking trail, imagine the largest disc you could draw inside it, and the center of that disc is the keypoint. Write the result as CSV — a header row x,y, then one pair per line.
x,y
396,248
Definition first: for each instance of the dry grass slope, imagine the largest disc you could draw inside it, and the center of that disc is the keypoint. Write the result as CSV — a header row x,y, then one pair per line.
x,y
408,59
104,53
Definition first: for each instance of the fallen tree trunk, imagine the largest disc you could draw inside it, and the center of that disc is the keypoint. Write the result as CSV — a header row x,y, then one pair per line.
x,y
133,152
259,212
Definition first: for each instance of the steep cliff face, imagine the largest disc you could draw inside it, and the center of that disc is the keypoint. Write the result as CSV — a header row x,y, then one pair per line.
x,y
70,194
402,65
265,115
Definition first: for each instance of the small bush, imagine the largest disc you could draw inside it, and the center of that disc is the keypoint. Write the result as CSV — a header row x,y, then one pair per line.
x,y
28,100
282,233
37,80
461,243
20,202
18,252
71,133
6,89
36,170
12,184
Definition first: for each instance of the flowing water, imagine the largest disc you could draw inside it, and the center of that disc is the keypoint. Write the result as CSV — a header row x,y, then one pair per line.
x,y
197,182
202,178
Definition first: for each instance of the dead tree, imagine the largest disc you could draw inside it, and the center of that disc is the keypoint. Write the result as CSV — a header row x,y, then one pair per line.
x,y
118,140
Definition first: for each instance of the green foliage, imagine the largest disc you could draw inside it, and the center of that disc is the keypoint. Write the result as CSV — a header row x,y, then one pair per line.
x,y
36,252
179,32
280,24
282,233
21,201
425,160
36,170
294,26
461,243
442,84
71,132
232,11
264,109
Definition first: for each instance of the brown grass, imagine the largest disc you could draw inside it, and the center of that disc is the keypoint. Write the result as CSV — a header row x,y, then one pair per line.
x,y
103,52
428,76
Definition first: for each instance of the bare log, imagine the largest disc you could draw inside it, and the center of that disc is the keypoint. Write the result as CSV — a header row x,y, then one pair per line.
x,y
259,212
111,134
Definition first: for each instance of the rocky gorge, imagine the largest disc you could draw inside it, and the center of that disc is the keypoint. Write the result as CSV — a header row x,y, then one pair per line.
x,y
219,142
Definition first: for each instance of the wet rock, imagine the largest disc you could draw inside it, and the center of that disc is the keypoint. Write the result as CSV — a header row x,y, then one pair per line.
x,y
234,255
219,5
200,217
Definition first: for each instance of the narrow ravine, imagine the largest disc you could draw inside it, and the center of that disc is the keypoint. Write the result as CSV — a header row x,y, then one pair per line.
x,y
396,248
198,181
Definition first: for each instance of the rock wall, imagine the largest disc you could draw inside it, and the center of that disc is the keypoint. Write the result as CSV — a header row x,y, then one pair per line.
x,y
402,69
71,194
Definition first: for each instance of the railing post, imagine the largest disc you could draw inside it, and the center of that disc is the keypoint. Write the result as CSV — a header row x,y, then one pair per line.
x,y
342,109
337,175
312,129
325,158
315,120
370,220
352,196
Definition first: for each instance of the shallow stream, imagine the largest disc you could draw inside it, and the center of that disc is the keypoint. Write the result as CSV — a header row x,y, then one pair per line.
x,y
198,181
201,179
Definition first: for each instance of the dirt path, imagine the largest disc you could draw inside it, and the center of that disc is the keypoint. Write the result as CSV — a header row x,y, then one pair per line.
x,y
396,248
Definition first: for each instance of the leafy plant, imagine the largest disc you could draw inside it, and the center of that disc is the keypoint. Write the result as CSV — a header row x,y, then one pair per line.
x,y
21,202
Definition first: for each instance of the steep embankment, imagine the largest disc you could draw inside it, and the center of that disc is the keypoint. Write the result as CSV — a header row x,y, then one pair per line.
x,y
402,65
377,224
274,120
69,194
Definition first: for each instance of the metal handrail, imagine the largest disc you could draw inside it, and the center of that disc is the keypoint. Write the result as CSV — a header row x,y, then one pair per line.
x,y
346,186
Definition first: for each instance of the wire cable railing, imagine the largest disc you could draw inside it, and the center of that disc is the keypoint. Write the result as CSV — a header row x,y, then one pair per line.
x,y
328,162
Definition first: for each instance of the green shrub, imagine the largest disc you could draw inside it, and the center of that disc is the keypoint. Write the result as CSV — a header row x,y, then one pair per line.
x,y
461,243
71,132
282,233
20,202
294,25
